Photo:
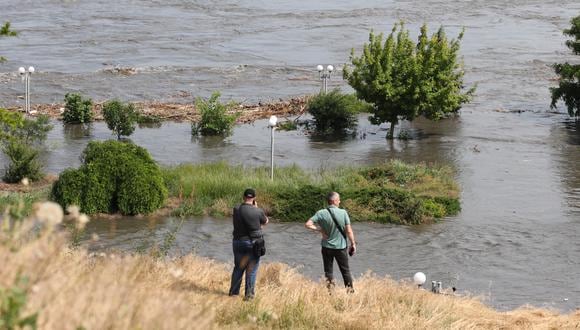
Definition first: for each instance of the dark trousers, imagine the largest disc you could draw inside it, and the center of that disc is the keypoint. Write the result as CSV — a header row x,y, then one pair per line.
x,y
341,256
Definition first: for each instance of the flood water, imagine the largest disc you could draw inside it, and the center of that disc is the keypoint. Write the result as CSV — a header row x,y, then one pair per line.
x,y
515,240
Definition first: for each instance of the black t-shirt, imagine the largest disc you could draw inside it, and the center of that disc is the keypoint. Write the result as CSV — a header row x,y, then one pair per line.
x,y
247,221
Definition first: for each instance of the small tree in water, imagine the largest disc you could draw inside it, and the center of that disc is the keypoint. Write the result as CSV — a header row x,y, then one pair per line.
x,y
215,116
120,118
568,89
335,112
404,80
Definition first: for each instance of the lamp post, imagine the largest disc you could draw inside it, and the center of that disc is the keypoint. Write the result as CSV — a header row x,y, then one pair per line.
x,y
26,78
324,75
272,125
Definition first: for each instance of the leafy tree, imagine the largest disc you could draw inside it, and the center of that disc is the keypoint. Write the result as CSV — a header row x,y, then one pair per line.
x,y
120,118
77,110
19,140
216,118
568,89
403,80
335,112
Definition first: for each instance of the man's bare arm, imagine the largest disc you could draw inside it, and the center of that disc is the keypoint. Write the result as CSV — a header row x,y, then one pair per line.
x,y
350,235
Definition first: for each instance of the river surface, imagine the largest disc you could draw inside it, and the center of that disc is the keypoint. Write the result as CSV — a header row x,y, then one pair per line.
x,y
515,241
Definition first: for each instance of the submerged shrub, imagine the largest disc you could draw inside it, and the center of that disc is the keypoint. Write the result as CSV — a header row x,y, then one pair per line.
x,y
215,117
335,112
114,176
77,110
120,118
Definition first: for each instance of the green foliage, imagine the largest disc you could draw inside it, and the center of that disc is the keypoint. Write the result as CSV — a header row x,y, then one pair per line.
x,y
149,121
19,205
77,110
6,31
403,80
215,117
12,305
19,139
287,125
10,122
23,162
299,202
114,177
568,89
34,131
334,112
120,118
394,192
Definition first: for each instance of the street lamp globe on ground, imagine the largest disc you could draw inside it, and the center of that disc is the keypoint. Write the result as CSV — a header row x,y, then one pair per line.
x,y
324,75
272,124
419,279
26,78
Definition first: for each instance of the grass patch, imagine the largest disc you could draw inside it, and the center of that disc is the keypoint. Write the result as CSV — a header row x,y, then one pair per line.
x,y
19,204
394,192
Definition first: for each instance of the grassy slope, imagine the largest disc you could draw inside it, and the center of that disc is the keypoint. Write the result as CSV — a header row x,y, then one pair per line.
x,y
71,288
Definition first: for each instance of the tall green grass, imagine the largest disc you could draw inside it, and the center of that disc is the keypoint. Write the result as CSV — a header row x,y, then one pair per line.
x,y
394,192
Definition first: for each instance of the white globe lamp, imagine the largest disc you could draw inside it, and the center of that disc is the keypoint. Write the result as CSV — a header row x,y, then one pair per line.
x,y
419,279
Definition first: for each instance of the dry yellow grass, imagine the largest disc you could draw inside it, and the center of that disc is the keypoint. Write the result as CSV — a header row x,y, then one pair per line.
x,y
72,288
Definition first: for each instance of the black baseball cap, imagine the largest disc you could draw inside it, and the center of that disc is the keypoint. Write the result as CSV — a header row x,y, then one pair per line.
x,y
249,193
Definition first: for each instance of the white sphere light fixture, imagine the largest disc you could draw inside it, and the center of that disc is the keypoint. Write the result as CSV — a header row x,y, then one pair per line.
x,y
319,68
330,68
419,278
273,121
21,70
31,69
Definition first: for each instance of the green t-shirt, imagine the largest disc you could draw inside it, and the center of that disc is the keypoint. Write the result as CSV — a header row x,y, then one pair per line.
x,y
324,220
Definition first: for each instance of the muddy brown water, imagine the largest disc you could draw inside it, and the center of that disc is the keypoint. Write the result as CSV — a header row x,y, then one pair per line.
x,y
515,241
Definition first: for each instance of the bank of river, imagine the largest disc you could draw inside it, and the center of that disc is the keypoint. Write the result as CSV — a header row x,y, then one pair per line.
x,y
517,163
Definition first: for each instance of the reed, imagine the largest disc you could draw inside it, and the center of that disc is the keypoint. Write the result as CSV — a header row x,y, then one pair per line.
x,y
70,288
393,192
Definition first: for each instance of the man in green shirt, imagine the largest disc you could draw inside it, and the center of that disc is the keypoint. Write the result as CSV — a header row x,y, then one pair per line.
x,y
334,238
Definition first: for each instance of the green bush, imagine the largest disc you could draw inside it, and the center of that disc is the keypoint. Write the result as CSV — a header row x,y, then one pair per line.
x,y
335,112
77,110
215,119
20,138
114,176
120,118
23,162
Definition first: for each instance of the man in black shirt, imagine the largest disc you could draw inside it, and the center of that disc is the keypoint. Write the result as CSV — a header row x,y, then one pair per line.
x,y
248,222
